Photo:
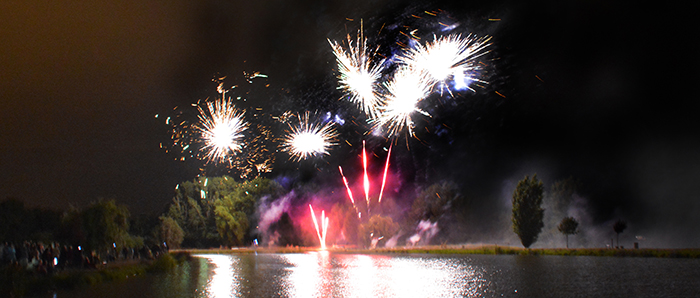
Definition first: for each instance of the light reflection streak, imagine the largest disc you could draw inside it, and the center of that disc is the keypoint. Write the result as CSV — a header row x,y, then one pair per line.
x,y
324,274
329,274
224,280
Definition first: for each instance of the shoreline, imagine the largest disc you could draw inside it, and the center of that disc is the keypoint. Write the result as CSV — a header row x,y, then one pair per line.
x,y
18,282
689,253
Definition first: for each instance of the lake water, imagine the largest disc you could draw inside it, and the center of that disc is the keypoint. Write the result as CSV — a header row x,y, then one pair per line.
x,y
323,274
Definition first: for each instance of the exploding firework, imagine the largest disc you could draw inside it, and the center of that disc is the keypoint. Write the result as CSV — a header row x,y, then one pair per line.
x,y
309,139
448,57
408,88
221,127
321,233
195,133
358,74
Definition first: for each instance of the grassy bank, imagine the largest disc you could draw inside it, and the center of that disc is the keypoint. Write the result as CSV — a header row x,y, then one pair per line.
x,y
598,252
473,249
17,282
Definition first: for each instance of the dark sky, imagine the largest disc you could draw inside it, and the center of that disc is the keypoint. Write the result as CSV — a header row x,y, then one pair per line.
x,y
598,91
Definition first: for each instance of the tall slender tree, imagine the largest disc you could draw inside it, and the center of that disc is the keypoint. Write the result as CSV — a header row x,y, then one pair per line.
x,y
527,210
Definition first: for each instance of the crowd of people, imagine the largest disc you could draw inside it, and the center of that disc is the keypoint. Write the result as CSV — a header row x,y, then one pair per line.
x,y
49,258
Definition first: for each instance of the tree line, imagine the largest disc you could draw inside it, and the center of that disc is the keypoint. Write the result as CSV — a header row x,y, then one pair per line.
x,y
528,214
100,226
221,211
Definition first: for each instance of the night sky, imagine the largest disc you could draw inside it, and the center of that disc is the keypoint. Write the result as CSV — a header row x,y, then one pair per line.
x,y
592,90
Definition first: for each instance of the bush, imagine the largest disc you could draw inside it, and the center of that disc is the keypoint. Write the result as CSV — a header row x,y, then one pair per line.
x,y
163,263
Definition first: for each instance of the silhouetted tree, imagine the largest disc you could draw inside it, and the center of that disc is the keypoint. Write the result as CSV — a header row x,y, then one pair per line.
x,y
170,232
234,211
378,227
19,223
218,210
433,202
284,232
527,210
101,226
619,227
568,226
557,200
346,223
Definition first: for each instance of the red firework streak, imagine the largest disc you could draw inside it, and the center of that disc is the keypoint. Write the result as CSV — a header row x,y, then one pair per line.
x,y
365,179
347,187
386,167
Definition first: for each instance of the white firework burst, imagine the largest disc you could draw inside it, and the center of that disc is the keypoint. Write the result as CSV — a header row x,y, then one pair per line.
x,y
448,57
408,88
358,74
221,127
309,139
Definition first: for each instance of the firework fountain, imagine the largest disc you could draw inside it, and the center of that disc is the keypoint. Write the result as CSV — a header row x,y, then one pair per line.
x,y
322,232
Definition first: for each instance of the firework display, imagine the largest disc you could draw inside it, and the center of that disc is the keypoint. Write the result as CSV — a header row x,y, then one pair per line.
x,y
359,75
366,185
221,127
322,231
451,60
345,181
394,90
405,91
309,139
386,169
447,57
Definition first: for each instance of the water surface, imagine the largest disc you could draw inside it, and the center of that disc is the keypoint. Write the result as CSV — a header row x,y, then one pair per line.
x,y
323,274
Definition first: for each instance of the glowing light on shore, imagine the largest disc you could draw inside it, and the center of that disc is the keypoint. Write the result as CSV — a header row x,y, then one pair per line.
x,y
358,74
309,139
221,127
321,233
